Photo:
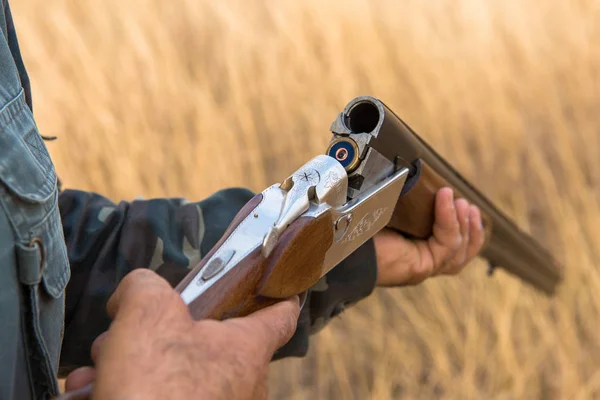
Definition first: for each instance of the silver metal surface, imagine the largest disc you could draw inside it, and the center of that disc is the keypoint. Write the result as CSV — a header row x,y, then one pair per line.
x,y
322,180
321,185
243,240
341,226
371,211
372,170
373,165
340,126
216,265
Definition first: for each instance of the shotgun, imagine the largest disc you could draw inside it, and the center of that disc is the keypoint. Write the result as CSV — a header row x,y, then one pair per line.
x,y
375,173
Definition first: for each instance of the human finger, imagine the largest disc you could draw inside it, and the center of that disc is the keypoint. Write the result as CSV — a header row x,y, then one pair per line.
x,y
476,233
446,238
79,378
139,281
273,326
462,212
97,345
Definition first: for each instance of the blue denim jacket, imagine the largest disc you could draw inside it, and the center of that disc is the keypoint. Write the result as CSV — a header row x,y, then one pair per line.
x,y
34,268
48,235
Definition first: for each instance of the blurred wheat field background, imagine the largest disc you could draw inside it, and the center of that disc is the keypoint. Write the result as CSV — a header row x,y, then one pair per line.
x,y
182,98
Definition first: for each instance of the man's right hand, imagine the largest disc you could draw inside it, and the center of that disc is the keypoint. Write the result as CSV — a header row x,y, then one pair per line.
x,y
154,350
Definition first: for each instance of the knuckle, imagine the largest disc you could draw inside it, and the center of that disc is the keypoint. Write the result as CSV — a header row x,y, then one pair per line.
x,y
157,300
462,202
453,229
458,243
452,238
155,292
459,261
421,271
278,330
449,253
139,274
292,318
288,327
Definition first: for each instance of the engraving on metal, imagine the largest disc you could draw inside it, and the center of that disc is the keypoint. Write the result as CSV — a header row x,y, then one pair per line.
x,y
310,176
317,190
331,180
371,211
305,185
365,225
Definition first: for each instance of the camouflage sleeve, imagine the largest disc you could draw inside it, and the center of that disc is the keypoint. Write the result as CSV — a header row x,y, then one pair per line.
x,y
105,241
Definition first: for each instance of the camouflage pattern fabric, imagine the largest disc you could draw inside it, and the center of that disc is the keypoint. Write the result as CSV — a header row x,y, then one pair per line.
x,y
105,241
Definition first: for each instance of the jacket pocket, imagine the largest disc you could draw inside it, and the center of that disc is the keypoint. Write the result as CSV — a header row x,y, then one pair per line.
x,y
29,197
28,175
25,165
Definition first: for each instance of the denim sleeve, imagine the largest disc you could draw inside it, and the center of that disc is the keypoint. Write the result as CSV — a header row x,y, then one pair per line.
x,y
105,241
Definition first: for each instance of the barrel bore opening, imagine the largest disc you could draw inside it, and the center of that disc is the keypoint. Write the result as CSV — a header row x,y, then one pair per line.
x,y
363,118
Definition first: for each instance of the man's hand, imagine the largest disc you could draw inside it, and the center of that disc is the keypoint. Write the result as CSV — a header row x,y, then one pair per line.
x,y
154,350
458,236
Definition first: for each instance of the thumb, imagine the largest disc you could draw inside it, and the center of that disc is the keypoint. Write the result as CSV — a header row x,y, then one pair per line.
x,y
275,325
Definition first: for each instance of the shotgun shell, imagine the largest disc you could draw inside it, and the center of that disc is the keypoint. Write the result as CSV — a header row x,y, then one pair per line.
x,y
345,151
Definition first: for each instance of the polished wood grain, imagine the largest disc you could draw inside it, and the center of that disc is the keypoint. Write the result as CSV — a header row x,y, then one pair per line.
x,y
296,262
235,293
414,212
294,265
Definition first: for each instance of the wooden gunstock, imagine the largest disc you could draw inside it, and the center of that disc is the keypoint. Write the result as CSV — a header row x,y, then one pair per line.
x,y
414,213
294,265
505,244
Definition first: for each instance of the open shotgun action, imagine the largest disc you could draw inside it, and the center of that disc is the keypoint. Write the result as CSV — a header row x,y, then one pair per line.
x,y
376,173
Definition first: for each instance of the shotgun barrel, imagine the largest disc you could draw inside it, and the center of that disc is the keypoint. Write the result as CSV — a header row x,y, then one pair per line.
x,y
285,238
376,173
368,129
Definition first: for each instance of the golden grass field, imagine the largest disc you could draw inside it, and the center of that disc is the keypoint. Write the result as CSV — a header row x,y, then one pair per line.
x,y
182,98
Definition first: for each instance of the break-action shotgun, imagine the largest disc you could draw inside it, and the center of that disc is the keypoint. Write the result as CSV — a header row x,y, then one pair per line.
x,y
376,173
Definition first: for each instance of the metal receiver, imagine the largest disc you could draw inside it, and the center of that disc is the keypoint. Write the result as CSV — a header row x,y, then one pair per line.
x,y
319,186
